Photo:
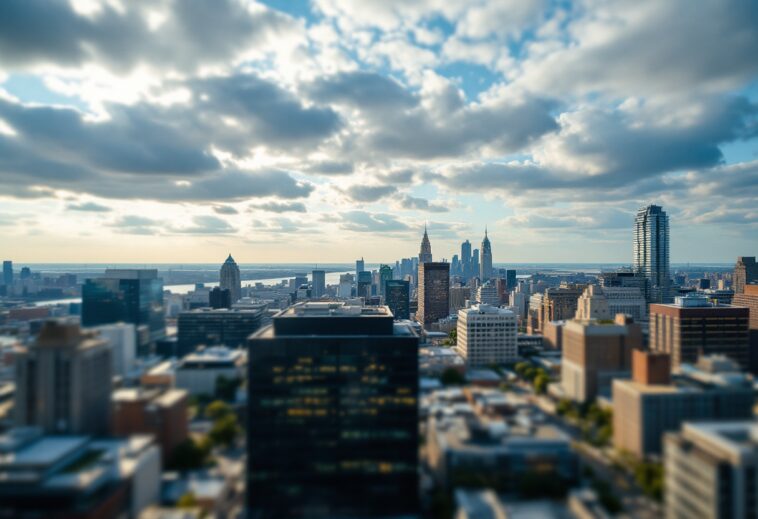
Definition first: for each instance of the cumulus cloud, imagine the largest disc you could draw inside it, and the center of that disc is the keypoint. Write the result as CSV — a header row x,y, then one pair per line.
x,y
422,204
437,123
363,221
88,207
224,209
206,224
366,193
632,48
281,207
167,34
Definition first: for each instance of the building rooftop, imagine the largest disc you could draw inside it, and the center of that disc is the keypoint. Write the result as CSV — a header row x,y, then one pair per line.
x,y
214,354
483,309
333,309
737,440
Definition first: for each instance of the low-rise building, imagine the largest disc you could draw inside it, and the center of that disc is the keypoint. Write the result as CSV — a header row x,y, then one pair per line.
x,y
198,372
75,476
714,389
162,414
506,452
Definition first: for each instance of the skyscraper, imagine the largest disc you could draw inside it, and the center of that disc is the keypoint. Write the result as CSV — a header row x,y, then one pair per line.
x,y
474,263
360,266
318,287
425,254
745,272
230,278
485,271
220,298
385,274
466,258
129,295
510,280
63,381
7,272
651,251
363,284
397,297
333,414
433,292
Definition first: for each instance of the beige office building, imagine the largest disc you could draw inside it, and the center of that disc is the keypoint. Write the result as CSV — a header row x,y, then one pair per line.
x,y
594,352
63,381
711,471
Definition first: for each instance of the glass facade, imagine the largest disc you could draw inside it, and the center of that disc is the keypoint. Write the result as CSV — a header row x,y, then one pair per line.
x,y
397,297
333,416
213,328
135,298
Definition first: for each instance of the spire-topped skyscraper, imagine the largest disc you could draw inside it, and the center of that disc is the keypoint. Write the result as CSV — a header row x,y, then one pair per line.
x,y
485,270
425,254
230,278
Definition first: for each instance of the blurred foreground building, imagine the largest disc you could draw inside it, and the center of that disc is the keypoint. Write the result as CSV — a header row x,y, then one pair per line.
x,y
333,413
63,381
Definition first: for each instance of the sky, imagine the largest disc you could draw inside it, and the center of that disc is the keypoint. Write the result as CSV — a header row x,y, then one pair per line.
x,y
326,130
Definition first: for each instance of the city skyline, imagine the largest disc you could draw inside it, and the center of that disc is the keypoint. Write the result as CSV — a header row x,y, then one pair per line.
x,y
321,132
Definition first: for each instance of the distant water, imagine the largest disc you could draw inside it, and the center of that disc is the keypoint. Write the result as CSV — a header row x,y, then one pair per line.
x,y
181,278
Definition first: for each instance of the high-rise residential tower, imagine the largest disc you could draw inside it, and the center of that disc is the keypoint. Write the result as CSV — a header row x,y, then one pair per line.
x,y
745,272
651,251
333,413
63,381
230,278
485,270
425,254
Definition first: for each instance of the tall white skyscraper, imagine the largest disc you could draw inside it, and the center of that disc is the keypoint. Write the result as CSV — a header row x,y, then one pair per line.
x,y
230,278
651,251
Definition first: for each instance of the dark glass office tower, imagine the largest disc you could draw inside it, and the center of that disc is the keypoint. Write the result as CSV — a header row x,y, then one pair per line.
x,y
363,286
128,295
215,328
510,280
333,414
397,297
433,292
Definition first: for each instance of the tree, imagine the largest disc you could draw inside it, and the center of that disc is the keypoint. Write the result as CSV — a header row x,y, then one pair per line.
x,y
224,431
226,388
190,455
188,500
452,377
540,384
217,409
452,338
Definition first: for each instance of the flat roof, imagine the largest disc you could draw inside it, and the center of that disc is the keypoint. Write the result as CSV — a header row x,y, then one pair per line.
x,y
43,452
